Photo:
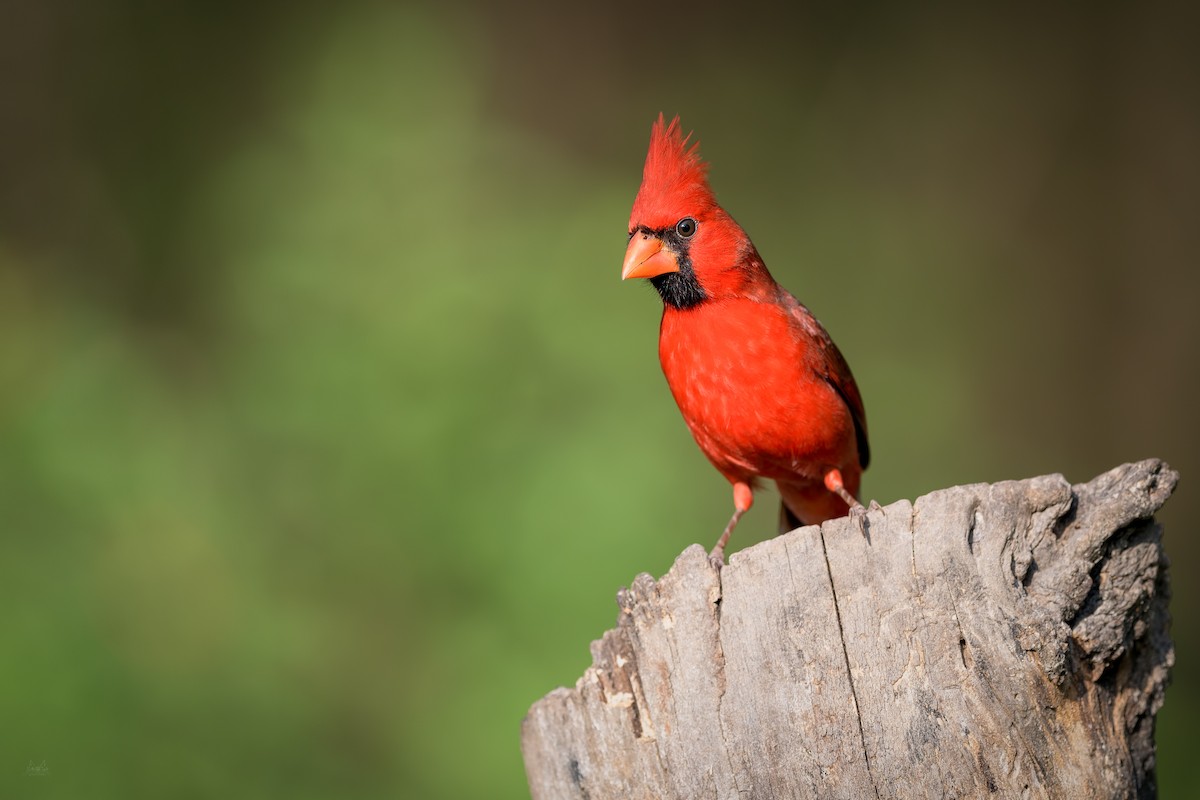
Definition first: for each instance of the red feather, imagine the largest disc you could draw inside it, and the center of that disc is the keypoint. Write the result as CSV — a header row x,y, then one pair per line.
x,y
673,174
760,383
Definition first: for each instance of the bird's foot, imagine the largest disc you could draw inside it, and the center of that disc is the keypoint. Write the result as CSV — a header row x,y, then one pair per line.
x,y
858,513
717,558
874,505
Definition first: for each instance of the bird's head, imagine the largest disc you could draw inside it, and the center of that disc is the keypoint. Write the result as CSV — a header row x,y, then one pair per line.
x,y
679,238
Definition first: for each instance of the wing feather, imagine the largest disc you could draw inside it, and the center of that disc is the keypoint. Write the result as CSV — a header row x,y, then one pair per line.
x,y
834,369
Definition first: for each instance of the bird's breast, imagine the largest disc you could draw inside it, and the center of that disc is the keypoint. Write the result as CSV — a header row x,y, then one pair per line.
x,y
745,382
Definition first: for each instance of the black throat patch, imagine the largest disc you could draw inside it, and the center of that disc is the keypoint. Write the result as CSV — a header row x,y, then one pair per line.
x,y
680,289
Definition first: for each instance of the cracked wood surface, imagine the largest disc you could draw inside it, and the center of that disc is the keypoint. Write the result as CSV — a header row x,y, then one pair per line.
x,y
1004,640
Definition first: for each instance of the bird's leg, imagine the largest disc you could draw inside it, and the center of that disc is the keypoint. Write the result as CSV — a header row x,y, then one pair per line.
x,y
743,498
833,482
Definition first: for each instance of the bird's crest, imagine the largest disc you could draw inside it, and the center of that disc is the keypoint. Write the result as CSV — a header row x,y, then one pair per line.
x,y
674,179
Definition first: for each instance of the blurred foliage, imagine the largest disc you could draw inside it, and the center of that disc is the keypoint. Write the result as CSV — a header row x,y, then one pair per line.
x,y
327,430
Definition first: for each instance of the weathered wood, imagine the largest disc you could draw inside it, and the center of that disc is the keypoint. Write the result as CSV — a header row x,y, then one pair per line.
x,y
987,641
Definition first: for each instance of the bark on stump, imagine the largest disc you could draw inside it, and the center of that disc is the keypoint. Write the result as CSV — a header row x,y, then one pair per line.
x,y
1004,640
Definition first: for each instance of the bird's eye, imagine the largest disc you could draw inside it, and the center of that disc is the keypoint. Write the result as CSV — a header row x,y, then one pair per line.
x,y
686,227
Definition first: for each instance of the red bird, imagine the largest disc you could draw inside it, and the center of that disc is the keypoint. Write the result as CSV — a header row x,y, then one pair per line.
x,y
760,383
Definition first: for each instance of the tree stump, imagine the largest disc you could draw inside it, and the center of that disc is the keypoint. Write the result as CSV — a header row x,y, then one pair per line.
x,y
1004,640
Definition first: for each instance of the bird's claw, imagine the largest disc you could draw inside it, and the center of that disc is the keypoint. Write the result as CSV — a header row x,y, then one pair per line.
x,y
874,505
858,513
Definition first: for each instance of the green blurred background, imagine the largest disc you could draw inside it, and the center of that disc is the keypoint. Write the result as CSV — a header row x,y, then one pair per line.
x,y
328,431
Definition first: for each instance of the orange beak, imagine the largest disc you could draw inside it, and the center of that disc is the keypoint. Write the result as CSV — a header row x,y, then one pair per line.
x,y
647,257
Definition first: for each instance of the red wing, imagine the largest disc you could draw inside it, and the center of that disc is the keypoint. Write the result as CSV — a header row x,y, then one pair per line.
x,y
834,370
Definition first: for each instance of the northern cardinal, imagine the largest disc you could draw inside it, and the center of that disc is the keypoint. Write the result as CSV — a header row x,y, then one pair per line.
x,y
761,385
